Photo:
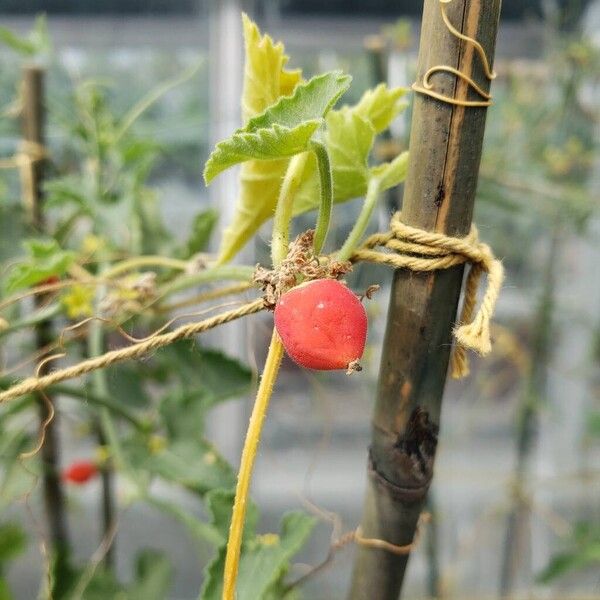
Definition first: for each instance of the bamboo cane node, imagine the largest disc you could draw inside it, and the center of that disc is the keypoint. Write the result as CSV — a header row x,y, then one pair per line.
x,y
379,544
406,247
426,86
406,494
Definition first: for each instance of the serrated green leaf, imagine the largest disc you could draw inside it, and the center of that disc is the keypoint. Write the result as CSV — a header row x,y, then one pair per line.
x,y
311,100
219,502
264,562
191,463
349,136
265,81
45,259
392,173
283,129
381,105
265,76
271,143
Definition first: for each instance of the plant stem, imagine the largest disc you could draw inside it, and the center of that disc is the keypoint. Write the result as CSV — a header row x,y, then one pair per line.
x,y
145,261
285,206
217,273
279,249
358,231
46,313
257,418
326,181
106,435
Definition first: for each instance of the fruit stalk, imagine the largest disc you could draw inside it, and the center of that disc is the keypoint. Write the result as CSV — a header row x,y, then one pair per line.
x,y
279,249
259,411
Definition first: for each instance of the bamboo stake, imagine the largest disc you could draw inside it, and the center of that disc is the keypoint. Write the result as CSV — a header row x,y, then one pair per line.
x,y
33,117
445,151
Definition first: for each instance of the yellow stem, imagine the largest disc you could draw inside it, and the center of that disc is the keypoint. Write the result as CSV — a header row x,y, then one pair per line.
x,y
238,515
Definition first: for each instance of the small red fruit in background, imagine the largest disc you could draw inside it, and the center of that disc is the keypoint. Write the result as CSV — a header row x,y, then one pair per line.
x,y
322,324
80,472
53,279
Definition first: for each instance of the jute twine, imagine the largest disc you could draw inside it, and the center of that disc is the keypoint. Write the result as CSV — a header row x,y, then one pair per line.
x,y
403,247
420,251
29,154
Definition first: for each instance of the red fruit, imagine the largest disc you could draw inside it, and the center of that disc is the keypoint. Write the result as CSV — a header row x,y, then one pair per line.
x,y
50,280
80,472
322,324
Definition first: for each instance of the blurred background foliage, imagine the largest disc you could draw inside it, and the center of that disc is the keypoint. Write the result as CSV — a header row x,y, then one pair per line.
x,y
128,131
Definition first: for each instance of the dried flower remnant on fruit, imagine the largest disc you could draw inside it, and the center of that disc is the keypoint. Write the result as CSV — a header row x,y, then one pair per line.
x,y
323,325
300,264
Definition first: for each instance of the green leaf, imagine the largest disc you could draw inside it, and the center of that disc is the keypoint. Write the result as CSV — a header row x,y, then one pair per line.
x,y
37,40
349,136
154,575
202,228
566,562
207,372
264,562
265,78
265,81
274,142
66,190
584,553
283,129
45,259
381,105
5,593
392,173
191,463
13,542
310,101
593,424
126,385
19,44
219,502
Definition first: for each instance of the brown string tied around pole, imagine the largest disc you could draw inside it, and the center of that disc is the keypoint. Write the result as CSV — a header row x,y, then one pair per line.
x,y
29,153
421,251
426,87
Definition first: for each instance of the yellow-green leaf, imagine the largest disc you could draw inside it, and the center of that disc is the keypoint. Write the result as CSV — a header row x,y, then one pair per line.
x,y
265,78
280,117
349,137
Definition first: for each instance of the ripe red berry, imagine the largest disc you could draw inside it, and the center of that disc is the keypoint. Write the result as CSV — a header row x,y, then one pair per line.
x,y
80,472
50,280
322,324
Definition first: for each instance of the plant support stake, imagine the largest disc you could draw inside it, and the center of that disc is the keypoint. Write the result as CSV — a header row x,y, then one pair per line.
x,y
445,151
32,119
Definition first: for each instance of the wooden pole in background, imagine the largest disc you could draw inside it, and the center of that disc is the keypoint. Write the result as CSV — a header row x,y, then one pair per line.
x,y
445,151
33,125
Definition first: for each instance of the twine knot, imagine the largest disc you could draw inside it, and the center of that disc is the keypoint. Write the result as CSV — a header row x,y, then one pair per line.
x,y
420,250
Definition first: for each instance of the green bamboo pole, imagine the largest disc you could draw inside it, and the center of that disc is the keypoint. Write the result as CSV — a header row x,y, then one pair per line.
x,y
439,194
